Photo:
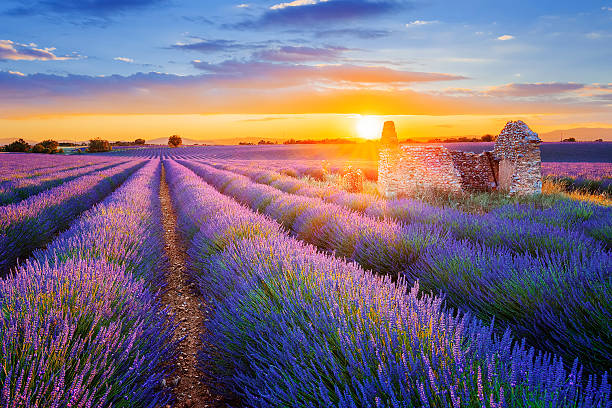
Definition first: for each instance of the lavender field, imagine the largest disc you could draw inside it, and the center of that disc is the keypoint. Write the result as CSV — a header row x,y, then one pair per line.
x,y
140,277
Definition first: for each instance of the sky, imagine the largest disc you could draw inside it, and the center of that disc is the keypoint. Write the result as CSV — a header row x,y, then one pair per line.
x,y
211,69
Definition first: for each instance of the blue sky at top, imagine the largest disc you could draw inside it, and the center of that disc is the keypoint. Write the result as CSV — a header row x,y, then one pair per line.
x,y
547,51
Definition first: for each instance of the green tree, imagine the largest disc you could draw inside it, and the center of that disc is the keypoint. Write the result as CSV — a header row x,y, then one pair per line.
x,y
98,145
39,148
49,146
175,141
18,146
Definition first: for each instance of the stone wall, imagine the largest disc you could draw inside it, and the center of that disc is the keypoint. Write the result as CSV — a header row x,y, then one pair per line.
x,y
517,149
514,165
478,171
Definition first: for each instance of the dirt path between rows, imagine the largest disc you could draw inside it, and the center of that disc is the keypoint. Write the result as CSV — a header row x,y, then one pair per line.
x,y
189,309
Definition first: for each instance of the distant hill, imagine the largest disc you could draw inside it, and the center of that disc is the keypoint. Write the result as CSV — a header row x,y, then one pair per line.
x,y
581,134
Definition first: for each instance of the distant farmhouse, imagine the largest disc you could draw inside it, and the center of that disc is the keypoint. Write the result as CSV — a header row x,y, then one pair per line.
x,y
514,165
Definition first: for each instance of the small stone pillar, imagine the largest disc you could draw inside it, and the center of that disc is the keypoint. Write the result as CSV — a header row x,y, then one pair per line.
x,y
389,136
520,167
388,158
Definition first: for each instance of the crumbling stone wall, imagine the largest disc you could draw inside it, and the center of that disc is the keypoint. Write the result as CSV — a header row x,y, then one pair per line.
x,y
517,149
514,165
477,170
422,167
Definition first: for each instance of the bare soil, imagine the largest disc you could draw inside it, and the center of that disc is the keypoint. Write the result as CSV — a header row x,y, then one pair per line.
x,y
185,303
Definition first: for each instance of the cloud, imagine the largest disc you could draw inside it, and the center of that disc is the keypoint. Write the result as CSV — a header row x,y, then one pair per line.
x,y
363,33
215,92
604,8
124,59
300,74
17,73
87,7
266,119
13,51
299,54
296,3
47,85
505,37
597,35
243,5
420,23
311,12
209,46
534,89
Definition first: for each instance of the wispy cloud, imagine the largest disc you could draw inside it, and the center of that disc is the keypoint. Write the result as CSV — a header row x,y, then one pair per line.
x,y
417,23
310,12
302,74
10,50
363,33
216,45
300,54
86,7
233,87
505,37
296,3
124,59
534,89
266,119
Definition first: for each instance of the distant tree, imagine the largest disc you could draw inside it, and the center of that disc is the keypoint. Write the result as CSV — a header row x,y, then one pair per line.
x,y
139,141
175,141
569,139
49,145
39,148
598,140
18,146
488,138
98,145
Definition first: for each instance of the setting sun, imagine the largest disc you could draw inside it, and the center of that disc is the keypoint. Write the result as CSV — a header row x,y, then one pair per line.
x,y
369,127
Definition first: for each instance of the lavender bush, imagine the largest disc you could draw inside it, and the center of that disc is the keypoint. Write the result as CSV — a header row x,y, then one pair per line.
x,y
520,227
17,189
398,250
31,223
80,325
294,327
23,165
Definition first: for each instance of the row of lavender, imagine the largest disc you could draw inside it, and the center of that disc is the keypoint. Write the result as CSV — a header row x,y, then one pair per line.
x,y
558,301
589,177
578,171
24,165
565,226
17,189
81,325
296,327
32,223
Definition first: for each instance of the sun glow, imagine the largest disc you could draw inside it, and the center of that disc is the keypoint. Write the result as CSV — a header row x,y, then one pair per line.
x,y
369,127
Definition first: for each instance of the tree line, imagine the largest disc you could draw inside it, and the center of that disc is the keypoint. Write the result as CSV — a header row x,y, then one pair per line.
x,y
96,145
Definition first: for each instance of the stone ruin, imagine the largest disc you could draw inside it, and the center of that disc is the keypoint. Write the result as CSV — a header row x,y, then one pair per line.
x,y
352,180
514,165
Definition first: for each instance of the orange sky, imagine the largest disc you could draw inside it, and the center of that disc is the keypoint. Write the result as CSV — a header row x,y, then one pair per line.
x,y
240,127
